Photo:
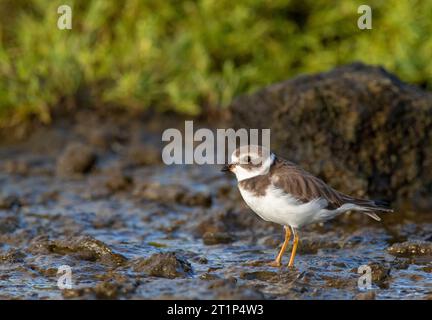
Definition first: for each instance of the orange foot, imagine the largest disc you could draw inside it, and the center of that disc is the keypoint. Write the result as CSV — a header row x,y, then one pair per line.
x,y
275,264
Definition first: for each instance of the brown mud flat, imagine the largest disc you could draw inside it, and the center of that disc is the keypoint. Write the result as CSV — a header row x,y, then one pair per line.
x,y
94,195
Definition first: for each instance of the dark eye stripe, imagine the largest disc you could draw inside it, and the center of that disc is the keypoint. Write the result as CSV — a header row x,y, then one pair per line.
x,y
245,160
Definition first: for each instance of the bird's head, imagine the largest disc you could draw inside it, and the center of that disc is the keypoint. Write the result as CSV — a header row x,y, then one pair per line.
x,y
250,161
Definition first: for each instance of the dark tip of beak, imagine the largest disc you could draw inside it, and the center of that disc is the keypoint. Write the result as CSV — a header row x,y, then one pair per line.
x,y
226,168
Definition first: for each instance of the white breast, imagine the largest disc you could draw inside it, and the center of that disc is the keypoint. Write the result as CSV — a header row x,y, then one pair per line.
x,y
279,207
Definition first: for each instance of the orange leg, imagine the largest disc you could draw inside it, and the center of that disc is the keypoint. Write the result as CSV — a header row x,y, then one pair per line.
x,y
277,262
294,249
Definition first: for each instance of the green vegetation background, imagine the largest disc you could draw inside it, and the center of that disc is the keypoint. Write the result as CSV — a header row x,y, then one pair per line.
x,y
188,56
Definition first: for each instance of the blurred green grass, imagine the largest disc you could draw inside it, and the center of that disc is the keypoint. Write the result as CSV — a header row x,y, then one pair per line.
x,y
190,56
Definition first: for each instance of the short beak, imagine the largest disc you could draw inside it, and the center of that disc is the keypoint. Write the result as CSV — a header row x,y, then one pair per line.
x,y
227,168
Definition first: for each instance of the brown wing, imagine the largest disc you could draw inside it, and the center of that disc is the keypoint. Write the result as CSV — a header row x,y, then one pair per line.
x,y
304,186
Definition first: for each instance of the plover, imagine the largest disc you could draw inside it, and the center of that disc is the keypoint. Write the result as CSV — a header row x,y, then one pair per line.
x,y
280,191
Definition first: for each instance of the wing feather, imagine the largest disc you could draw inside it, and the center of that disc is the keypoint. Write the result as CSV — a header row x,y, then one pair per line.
x,y
305,187
302,185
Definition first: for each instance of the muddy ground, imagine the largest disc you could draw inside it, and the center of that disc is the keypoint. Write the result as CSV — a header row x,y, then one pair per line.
x,y
92,194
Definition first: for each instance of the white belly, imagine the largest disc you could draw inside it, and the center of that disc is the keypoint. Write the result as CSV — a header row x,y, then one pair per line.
x,y
279,207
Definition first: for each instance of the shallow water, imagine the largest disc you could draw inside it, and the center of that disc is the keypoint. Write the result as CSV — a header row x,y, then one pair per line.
x,y
136,224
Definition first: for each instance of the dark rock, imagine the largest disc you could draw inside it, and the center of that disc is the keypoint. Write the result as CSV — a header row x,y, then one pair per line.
x,y
400,264
228,221
368,295
313,245
258,275
99,132
380,273
8,224
83,247
339,282
427,269
211,238
42,270
208,276
257,263
210,221
411,248
117,180
228,290
163,265
9,201
202,260
417,278
240,293
48,196
171,193
16,167
105,290
77,158
109,222
142,155
358,127
101,137
12,256
223,283
272,241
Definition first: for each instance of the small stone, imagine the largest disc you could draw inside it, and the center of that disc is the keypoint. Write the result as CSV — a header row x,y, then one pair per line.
x,y
77,158
212,238
380,272
143,155
208,276
16,167
411,248
8,224
163,265
118,181
12,256
83,248
201,260
9,201
427,269
258,275
368,295
172,193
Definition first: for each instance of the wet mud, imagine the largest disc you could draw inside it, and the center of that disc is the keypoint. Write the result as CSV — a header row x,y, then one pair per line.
x,y
95,196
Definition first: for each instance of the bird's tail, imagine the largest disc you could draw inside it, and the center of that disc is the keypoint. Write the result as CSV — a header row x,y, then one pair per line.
x,y
370,207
